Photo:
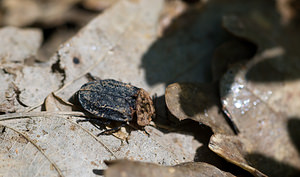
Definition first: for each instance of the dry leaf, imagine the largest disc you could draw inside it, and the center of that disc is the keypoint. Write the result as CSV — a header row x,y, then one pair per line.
x,y
21,158
35,83
289,11
234,149
273,73
98,4
125,48
198,102
15,56
19,44
8,96
114,54
26,12
250,103
73,148
54,103
136,169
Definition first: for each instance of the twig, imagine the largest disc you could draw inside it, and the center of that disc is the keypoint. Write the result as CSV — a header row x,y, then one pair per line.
x,y
39,114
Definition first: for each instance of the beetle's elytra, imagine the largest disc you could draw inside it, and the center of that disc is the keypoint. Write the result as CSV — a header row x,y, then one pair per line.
x,y
116,100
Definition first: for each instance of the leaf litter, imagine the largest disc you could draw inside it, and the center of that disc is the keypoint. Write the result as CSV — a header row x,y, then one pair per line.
x,y
248,93
182,98
248,98
123,49
48,132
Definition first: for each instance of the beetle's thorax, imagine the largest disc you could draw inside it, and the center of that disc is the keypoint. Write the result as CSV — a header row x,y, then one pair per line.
x,y
144,108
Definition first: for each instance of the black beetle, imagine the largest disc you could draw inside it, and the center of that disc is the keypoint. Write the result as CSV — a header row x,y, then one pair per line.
x,y
117,101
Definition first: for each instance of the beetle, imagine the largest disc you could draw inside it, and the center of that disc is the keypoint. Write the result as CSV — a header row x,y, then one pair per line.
x,y
115,100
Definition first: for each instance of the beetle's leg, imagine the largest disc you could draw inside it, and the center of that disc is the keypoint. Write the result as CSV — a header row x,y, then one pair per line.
x,y
112,130
98,123
95,121
146,132
136,128
90,77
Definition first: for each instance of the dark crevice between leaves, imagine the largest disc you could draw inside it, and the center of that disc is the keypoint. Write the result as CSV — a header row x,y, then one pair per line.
x,y
191,1
56,68
48,32
2,129
98,172
161,111
294,131
53,36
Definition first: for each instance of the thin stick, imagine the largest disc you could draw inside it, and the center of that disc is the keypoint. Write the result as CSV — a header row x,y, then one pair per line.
x,y
39,114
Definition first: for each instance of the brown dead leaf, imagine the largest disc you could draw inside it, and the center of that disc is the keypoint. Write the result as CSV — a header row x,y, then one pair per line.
x,y
136,169
289,11
273,72
26,12
98,4
255,96
54,103
198,102
234,149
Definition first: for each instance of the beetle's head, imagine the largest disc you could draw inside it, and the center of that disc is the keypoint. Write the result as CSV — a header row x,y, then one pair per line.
x,y
144,108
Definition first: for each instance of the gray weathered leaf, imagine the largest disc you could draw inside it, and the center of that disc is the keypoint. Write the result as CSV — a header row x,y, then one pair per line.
x,y
19,44
75,150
